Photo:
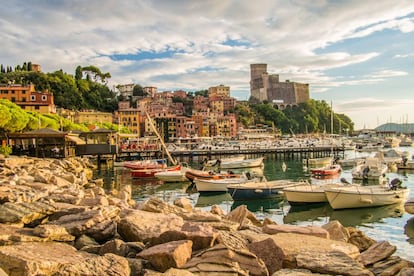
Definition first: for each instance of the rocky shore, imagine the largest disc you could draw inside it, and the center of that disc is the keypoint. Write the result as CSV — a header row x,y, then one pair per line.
x,y
56,220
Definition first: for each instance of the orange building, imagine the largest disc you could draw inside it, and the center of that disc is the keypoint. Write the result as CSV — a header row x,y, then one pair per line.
x,y
27,98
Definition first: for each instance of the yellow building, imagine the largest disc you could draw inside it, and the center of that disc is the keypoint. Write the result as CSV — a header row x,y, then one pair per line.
x,y
219,91
92,116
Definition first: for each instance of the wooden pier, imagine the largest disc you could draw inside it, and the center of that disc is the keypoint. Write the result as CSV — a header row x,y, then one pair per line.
x,y
279,152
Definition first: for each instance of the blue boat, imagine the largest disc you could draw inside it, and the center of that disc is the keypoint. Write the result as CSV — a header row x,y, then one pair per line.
x,y
260,189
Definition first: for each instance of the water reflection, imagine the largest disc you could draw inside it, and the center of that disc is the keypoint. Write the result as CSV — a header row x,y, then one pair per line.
x,y
261,205
308,212
409,230
209,199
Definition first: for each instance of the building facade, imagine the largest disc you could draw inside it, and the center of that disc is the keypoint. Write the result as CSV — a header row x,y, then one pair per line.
x,y
28,99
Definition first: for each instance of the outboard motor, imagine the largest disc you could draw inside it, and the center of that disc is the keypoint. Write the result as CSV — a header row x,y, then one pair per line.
x,y
395,184
343,180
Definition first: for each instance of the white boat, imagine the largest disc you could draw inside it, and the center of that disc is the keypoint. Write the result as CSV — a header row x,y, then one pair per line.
x,y
213,162
308,193
238,164
406,164
173,176
409,206
371,170
317,162
260,189
355,196
350,162
217,185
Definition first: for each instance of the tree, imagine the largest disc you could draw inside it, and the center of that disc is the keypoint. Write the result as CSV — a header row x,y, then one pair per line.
x,y
78,73
138,91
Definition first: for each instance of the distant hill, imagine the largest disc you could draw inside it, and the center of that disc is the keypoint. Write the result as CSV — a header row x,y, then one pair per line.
x,y
403,128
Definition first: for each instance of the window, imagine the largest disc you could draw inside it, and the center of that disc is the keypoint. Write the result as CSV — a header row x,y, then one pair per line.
x,y
44,97
24,99
37,107
13,99
32,98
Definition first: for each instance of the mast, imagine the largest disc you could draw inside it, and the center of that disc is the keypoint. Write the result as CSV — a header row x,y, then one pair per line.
x,y
173,161
331,119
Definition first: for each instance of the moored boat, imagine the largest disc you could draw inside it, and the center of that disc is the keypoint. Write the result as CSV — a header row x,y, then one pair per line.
x,y
239,164
191,174
318,162
307,193
217,185
259,189
356,196
145,164
146,173
329,170
371,169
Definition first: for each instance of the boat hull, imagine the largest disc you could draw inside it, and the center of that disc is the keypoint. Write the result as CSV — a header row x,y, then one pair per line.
x,y
259,190
150,173
360,197
216,185
171,176
307,194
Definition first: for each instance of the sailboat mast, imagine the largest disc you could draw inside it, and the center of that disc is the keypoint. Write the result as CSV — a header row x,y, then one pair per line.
x,y
331,119
173,161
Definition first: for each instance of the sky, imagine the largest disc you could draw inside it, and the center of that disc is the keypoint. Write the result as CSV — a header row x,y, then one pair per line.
x,y
357,55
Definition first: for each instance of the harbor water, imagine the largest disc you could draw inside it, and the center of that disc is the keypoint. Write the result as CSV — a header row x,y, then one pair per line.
x,y
388,223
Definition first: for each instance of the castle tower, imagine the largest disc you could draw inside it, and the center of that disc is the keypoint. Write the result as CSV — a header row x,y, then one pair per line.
x,y
258,81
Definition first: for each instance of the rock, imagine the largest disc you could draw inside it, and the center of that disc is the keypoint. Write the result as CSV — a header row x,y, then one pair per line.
x,y
333,262
183,203
202,236
169,272
104,230
138,225
78,224
109,264
389,267
242,216
96,201
53,233
225,261
296,272
304,230
294,244
269,253
216,210
359,239
137,266
42,258
114,246
83,241
167,255
336,231
407,271
232,239
376,253
25,213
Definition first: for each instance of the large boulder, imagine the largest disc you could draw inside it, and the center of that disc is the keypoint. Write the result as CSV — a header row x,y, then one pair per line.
x,y
51,258
304,230
221,260
138,225
164,256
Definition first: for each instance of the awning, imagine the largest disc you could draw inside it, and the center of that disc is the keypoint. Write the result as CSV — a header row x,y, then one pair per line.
x,y
76,139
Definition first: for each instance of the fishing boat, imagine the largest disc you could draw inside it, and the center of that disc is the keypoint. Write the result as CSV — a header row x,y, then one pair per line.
x,y
329,170
350,162
356,196
239,164
308,193
317,162
259,189
145,164
192,174
371,169
173,176
409,206
147,173
217,185
406,164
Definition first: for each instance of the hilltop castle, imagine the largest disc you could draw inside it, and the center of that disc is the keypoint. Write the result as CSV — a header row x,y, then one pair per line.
x,y
265,87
